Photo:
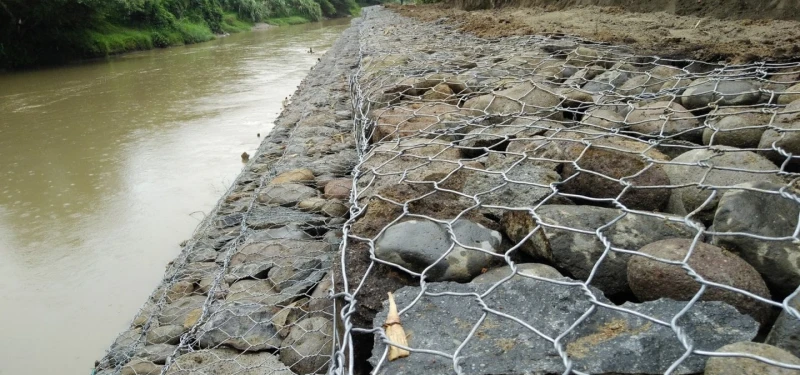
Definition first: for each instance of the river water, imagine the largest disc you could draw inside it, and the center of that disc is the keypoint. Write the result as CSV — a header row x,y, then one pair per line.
x,y
105,167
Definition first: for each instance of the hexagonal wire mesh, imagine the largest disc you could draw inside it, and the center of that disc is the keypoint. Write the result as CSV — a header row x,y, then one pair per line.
x,y
249,293
551,205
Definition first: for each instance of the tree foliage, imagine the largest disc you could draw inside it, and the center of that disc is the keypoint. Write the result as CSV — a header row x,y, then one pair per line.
x,y
51,31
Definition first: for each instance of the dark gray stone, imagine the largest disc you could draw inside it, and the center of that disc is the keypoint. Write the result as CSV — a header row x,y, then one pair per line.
x,y
531,269
418,244
242,325
525,184
762,214
607,81
784,134
576,252
785,334
307,349
608,341
168,334
741,166
123,348
702,92
157,353
225,361
175,313
286,194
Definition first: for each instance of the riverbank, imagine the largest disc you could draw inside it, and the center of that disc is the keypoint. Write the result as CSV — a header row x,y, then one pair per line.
x,y
253,279
55,33
534,203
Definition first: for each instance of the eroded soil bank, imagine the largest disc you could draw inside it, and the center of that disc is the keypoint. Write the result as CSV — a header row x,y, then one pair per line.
x,y
669,31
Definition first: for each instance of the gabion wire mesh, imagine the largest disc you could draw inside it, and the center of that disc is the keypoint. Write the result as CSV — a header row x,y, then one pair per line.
x,y
249,293
544,204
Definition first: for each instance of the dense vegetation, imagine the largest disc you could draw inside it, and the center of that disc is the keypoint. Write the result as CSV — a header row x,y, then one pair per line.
x,y
34,32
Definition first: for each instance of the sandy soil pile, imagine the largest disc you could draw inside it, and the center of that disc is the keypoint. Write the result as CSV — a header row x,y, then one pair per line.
x,y
664,34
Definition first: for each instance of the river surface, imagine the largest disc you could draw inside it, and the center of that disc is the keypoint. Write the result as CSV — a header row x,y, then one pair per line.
x,y
105,167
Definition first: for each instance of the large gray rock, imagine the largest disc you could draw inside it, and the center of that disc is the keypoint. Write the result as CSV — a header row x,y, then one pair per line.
x,y
765,214
175,313
784,135
524,185
703,92
242,325
418,244
790,95
607,81
575,251
525,97
227,361
168,334
286,194
785,334
531,269
604,160
608,341
652,279
740,166
255,258
741,130
604,118
139,366
123,348
747,366
641,84
157,353
413,159
664,119
307,349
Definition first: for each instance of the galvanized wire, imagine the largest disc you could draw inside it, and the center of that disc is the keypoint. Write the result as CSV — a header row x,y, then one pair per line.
x,y
434,107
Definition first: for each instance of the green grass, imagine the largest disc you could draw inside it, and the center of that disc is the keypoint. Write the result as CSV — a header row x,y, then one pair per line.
x,y
283,21
232,24
355,11
112,39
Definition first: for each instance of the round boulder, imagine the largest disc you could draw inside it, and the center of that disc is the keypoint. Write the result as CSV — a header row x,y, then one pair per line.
x,y
418,244
760,209
790,95
736,131
664,119
339,188
740,166
604,167
704,91
604,118
747,366
784,135
307,349
530,269
651,279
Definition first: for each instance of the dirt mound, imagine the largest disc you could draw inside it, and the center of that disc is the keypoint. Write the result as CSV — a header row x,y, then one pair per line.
x,y
736,9
666,33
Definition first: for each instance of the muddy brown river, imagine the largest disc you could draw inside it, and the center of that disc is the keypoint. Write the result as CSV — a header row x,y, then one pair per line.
x,y
105,167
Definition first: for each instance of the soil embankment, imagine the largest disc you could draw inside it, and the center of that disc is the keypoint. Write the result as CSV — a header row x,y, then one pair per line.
x,y
746,31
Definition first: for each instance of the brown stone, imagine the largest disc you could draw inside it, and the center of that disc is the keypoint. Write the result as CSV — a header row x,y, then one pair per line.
x,y
339,188
297,176
650,279
413,119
